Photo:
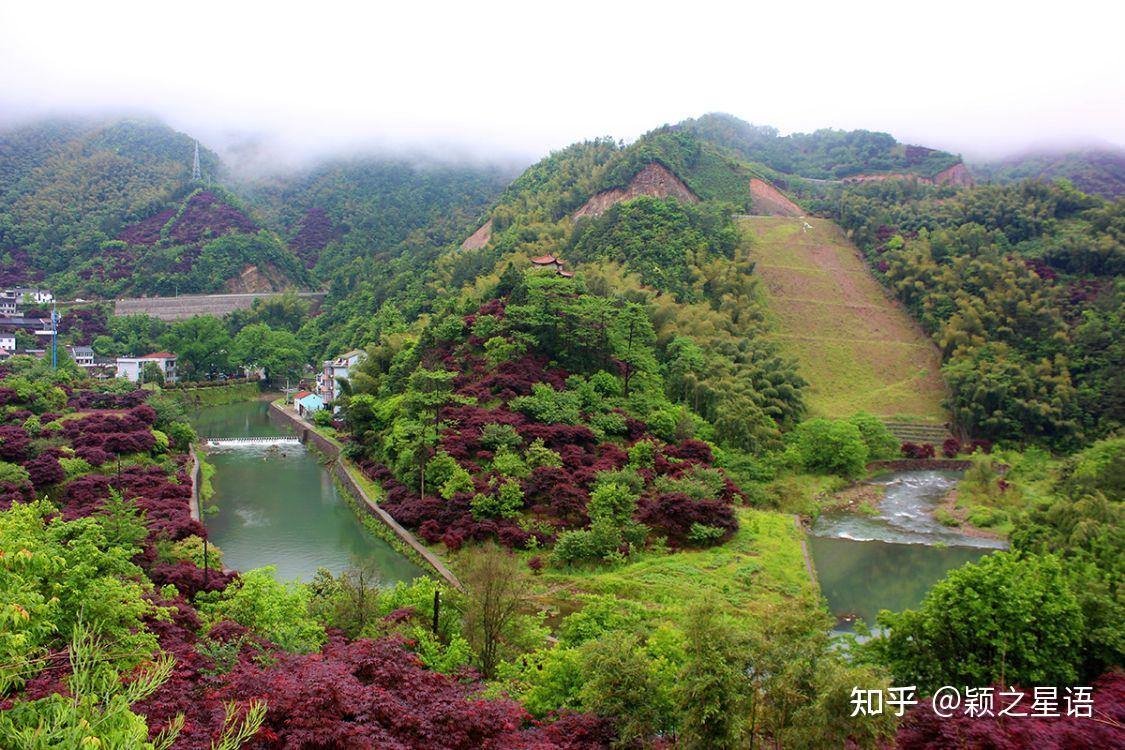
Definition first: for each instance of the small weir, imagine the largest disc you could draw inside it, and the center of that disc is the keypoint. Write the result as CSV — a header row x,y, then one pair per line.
x,y
251,442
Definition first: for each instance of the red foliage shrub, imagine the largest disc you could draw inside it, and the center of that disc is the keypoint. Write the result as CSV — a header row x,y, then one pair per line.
x,y
375,694
84,324
44,470
693,450
951,447
146,231
11,492
15,445
93,456
918,451
672,514
922,728
984,446
100,400
314,235
189,579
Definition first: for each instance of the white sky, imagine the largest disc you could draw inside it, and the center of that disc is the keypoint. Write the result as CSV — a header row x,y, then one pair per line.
x,y
521,78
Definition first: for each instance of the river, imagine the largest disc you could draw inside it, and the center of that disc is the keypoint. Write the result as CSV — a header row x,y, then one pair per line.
x,y
281,507
866,563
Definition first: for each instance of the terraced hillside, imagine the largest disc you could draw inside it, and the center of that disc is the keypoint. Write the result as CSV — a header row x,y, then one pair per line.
x,y
855,346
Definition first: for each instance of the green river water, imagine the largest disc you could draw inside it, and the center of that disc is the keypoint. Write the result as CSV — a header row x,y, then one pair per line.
x,y
889,560
281,507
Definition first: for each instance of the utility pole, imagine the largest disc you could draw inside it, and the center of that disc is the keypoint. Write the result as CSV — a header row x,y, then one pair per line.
x,y
54,337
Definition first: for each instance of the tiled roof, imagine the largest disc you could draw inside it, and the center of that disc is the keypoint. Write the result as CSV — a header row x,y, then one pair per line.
x,y
300,395
159,355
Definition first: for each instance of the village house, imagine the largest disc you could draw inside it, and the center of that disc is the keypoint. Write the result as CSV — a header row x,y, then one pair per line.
x,y
132,368
9,303
33,296
307,403
83,356
7,342
340,367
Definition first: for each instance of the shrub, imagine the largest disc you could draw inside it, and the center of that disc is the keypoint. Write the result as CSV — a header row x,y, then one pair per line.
x,y
160,441
74,467
642,454
833,446
878,439
627,477
323,418
459,480
675,515
509,464
506,503
549,406
495,436
918,451
951,448
13,473
539,455
181,434
44,470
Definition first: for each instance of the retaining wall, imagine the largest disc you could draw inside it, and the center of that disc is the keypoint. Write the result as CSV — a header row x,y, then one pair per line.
x,y
307,434
195,481
920,464
189,305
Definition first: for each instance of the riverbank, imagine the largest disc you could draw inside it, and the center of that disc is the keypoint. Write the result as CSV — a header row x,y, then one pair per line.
x,y
216,395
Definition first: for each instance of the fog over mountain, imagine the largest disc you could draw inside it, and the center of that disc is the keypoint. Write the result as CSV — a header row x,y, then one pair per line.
x,y
272,83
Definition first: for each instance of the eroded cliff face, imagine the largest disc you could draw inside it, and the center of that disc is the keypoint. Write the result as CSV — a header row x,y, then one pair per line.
x,y
654,180
479,238
766,200
957,175
257,279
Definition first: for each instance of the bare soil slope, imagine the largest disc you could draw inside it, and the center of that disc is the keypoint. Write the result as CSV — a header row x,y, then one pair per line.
x,y
654,180
766,200
856,346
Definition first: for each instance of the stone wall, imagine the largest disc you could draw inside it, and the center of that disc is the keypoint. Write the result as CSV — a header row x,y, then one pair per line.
x,y
189,305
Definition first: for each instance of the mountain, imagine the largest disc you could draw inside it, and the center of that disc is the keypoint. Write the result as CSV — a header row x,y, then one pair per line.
x,y
1100,171
827,154
101,209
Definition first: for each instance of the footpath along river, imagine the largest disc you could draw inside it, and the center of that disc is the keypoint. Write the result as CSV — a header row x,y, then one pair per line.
x,y
280,507
889,560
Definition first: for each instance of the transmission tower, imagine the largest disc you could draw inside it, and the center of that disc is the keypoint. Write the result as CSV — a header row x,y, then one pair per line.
x,y
196,176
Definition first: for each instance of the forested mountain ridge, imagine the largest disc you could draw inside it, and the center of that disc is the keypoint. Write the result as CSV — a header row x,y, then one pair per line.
x,y
88,207
1100,171
824,154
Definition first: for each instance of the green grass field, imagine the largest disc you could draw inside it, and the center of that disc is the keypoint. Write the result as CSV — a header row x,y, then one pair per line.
x,y
858,349
761,567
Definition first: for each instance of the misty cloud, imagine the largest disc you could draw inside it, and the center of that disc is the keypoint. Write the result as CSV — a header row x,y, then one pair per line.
x,y
274,83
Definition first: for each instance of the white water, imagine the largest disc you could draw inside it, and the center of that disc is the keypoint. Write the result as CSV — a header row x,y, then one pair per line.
x,y
905,515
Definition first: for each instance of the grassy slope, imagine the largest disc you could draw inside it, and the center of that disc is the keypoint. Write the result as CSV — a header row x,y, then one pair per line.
x,y
858,350
761,567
